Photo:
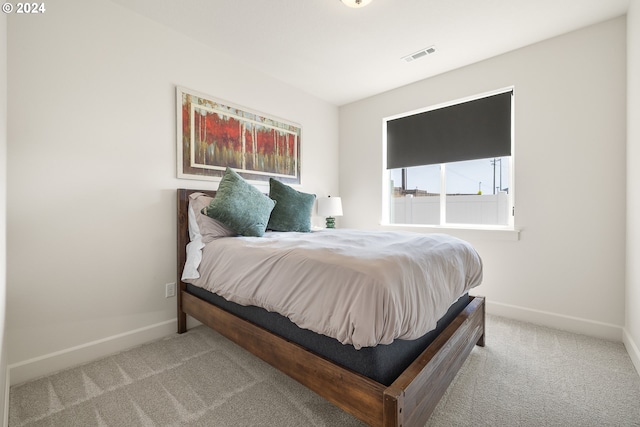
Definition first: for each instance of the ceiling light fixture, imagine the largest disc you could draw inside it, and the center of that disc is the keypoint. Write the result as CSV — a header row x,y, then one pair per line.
x,y
356,3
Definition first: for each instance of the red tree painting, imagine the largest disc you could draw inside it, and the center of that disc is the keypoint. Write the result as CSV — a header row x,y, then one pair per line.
x,y
213,135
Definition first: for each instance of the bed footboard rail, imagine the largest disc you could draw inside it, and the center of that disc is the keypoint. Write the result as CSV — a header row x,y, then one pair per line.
x,y
411,399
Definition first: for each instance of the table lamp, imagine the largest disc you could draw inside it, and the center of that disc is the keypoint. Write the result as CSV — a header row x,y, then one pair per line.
x,y
330,207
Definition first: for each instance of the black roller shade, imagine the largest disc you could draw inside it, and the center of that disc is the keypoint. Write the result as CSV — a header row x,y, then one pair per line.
x,y
476,129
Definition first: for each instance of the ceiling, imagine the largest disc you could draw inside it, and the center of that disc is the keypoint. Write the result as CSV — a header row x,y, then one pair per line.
x,y
341,55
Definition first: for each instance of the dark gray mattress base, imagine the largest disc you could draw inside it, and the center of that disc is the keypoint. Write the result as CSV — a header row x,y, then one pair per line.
x,y
382,363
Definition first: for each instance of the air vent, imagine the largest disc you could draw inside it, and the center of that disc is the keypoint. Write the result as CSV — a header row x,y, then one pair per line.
x,y
420,54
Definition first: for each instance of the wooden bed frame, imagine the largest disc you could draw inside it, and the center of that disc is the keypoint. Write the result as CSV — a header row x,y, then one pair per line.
x,y
408,402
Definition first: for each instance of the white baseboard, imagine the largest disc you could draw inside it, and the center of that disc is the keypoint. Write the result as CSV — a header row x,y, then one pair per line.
x,y
632,349
5,421
557,321
49,363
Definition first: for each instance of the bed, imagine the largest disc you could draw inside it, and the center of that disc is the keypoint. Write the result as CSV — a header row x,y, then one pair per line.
x,y
403,395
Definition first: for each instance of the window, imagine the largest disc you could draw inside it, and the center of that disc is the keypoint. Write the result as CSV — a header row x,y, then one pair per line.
x,y
452,165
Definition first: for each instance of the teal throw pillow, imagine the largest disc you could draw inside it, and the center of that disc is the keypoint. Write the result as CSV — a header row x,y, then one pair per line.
x,y
293,208
240,206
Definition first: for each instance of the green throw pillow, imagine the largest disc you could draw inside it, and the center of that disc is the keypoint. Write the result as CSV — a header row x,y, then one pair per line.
x,y
293,208
240,206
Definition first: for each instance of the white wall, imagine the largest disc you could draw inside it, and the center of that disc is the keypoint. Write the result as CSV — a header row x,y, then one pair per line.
x,y
91,174
568,267
4,416
632,324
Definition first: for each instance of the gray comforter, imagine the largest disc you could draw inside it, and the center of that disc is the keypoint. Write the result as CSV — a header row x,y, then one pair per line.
x,y
363,288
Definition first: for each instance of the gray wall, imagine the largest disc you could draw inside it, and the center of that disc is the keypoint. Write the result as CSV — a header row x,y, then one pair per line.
x,y
632,325
3,232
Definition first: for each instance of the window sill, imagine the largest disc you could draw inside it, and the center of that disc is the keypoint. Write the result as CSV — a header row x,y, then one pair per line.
x,y
462,231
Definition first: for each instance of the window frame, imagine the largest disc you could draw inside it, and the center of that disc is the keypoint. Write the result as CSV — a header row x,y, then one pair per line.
x,y
443,225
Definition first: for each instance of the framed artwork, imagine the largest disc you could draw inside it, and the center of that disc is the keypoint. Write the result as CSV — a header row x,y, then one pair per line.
x,y
213,134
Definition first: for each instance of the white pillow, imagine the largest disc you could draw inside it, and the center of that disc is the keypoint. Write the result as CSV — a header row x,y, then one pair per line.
x,y
202,230
194,229
194,257
203,225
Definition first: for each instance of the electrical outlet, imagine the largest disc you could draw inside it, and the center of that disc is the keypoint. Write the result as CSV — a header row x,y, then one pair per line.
x,y
170,290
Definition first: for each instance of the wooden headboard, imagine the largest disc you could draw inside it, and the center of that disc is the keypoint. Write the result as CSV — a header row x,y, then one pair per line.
x,y
183,240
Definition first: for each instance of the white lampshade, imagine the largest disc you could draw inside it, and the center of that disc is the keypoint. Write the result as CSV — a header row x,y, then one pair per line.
x,y
330,206
356,3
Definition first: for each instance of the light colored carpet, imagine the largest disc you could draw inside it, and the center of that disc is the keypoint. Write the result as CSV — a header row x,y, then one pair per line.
x,y
525,376
535,376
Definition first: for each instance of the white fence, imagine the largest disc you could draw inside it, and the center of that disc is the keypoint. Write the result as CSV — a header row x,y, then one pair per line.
x,y
490,209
